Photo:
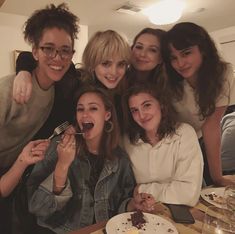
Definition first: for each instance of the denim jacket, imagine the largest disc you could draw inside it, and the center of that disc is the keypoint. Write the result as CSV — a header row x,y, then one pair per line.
x,y
75,207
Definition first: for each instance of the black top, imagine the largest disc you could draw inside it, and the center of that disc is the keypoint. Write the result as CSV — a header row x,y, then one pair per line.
x,y
96,165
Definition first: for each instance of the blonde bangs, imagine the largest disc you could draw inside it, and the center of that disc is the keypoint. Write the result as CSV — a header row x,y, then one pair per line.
x,y
104,46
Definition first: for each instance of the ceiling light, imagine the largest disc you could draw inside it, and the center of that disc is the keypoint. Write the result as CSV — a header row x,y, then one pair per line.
x,y
165,11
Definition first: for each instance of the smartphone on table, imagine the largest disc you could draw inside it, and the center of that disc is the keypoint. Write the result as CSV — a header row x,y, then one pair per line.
x,y
181,213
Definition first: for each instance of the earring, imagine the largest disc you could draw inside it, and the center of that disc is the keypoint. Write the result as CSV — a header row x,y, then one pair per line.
x,y
108,126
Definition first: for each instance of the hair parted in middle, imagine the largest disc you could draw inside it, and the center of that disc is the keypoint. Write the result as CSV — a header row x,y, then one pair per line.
x,y
158,33
102,46
157,76
168,121
110,138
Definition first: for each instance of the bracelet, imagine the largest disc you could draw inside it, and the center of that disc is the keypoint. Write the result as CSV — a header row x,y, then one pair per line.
x,y
60,186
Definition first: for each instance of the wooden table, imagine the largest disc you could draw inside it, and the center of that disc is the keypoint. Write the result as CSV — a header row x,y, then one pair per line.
x,y
161,210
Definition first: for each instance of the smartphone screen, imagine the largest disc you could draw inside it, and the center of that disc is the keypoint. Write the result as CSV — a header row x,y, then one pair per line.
x,y
181,213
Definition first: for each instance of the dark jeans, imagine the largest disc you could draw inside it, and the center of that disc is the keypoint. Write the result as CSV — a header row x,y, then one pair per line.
x,y
5,210
6,215
14,215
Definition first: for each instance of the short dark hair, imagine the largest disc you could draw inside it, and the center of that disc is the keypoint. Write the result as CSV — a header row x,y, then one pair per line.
x,y
169,116
109,140
49,17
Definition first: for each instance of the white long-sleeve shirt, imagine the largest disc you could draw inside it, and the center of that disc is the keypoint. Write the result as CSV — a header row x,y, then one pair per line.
x,y
172,170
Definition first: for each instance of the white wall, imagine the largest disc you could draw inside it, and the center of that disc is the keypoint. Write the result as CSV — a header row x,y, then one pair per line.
x,y
225,41
11,31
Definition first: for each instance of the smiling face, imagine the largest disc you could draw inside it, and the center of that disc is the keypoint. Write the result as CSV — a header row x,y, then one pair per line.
x,y
146,112
50,70
91,112
187,62
146,52
111,71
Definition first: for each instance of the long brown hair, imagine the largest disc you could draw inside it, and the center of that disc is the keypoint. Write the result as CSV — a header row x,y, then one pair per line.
x,y
109,140
157,75
211,73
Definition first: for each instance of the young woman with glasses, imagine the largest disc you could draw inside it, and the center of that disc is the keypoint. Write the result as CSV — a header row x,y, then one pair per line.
x,y
51,29
51,32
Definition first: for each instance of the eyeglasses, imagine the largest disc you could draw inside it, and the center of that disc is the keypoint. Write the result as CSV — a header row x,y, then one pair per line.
x,y
51,52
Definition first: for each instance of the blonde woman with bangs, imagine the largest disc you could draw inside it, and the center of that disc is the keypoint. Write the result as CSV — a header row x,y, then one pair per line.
x,y
105,59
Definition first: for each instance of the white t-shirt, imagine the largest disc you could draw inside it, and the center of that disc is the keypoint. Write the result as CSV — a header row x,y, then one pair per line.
x,y
188,109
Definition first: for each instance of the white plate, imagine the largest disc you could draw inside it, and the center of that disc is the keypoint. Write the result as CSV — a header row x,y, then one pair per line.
x,y
215,191
154,224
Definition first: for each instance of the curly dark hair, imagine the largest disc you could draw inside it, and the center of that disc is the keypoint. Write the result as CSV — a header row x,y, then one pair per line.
x,y
49,17
168,121
109,140
211,73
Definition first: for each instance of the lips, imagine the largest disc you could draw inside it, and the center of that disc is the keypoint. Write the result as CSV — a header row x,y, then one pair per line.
x,y
184,70
56,68
111,79
141,61
145,121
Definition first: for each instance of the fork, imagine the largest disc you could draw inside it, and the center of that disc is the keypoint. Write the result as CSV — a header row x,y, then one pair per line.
x,y
75,133
61,128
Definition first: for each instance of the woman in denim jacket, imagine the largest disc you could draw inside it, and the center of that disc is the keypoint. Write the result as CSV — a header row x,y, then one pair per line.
x,y
85,178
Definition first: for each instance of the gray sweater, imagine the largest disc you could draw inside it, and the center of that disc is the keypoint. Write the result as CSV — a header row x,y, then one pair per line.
x,y
19,122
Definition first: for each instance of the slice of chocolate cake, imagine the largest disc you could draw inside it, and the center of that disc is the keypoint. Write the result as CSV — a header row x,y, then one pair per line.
x,y
137,219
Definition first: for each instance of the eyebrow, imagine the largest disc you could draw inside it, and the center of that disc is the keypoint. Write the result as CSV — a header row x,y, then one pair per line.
x,y
140,43
53,45
90,103
188,48
146,101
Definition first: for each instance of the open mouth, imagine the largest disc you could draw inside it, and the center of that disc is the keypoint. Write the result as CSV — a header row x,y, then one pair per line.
x,y
87,126
56,68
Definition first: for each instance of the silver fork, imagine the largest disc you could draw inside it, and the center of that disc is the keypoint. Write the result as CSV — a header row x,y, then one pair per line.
x,y
61,128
